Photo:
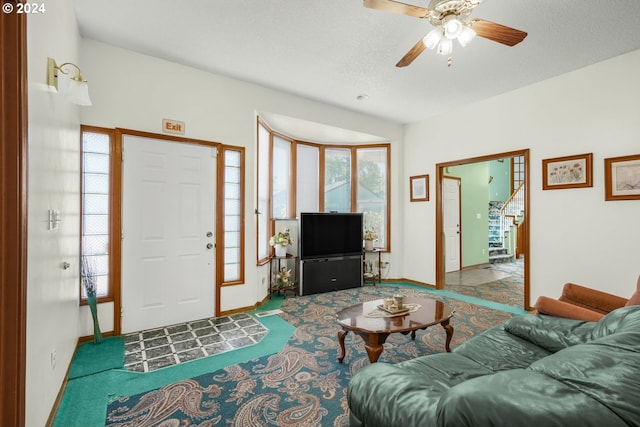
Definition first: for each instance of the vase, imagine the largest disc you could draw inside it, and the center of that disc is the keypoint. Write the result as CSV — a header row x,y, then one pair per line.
x,y
97,335
368,245
281,251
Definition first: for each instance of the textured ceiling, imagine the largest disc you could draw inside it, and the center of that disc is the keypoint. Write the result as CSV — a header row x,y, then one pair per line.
x,y
335,50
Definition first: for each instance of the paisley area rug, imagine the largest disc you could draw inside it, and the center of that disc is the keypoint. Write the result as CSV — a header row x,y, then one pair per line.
x,y
303,385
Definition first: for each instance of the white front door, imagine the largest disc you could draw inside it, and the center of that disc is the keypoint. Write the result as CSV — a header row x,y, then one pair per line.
x,y
451,223
168,218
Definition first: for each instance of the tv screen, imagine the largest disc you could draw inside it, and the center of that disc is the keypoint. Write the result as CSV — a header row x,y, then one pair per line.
x,y
330,234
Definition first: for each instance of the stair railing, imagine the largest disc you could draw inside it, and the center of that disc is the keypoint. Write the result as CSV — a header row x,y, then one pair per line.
x,y
512,209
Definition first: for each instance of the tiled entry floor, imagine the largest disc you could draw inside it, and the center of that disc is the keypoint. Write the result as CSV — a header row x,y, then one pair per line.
x,y
157,348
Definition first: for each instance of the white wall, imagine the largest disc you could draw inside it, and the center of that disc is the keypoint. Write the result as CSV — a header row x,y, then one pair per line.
x,y
52,293
575,235
135,91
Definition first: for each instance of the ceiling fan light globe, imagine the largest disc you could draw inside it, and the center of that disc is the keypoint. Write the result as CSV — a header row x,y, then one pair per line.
x,y
452,28
466,35
445,47
432,39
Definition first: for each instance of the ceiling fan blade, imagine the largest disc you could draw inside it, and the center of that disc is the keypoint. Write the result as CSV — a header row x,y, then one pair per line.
x,y
397,7
497,32
412,54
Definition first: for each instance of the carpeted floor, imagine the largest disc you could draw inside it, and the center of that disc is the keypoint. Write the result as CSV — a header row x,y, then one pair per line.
x,y
501,283
301,385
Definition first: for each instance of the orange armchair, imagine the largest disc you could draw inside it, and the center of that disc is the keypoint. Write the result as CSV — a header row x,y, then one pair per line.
x,y
582,303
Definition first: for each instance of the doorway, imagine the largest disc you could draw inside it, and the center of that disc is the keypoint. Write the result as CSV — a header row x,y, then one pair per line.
x,y
442,177
168,232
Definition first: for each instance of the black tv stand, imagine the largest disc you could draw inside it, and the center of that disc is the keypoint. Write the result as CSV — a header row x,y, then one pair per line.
x,y
330,274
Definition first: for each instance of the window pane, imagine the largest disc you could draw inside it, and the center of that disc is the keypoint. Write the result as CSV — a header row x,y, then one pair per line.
x,y
94,183
232,272
232,207
95,224
231,191
232,239
95,163
337,182
95,207
308,161
263,193
281,172
372,190
95,142
95,204
232,158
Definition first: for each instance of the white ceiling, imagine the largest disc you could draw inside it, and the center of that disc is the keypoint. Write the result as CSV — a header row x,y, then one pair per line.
x,y
335,50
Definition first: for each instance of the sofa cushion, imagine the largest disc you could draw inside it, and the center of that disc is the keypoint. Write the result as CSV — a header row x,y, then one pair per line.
x,y
549,332
499,350
520,398
411,389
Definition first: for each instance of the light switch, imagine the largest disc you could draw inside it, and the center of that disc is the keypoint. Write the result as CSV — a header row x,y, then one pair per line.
x,y
478,216
54,219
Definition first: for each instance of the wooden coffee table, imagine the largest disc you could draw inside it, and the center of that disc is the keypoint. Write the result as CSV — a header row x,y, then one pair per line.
x,y
375,330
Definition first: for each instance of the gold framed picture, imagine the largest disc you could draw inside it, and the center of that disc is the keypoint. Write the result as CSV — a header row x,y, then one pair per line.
x,y
419,187
622,178
567,172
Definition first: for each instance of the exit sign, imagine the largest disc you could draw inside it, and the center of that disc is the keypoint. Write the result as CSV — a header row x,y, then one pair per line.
x,y
172,126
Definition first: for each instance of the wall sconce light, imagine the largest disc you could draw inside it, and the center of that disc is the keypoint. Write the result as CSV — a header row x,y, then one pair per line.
x,y
60,79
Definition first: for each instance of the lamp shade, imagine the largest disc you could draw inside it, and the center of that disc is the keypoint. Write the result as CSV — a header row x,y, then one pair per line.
x,y
431,40
452,28
78,92
445,47
466,35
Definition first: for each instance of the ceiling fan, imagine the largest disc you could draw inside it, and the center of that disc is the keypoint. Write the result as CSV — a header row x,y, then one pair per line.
x,y
449,17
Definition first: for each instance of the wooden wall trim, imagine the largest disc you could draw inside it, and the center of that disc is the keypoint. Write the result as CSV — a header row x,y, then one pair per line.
x,y
13,217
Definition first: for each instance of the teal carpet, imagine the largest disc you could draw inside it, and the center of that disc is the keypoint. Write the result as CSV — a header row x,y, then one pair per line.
x,y
86,397
91,358
290,376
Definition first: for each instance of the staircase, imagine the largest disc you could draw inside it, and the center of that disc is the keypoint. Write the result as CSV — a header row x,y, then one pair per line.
x,y
503,218
498,253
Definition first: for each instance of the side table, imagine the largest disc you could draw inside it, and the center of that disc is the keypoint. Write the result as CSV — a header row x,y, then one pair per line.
x,y
371,270
283,275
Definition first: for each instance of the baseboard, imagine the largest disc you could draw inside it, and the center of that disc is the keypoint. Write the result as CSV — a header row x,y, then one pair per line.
x,y
63,388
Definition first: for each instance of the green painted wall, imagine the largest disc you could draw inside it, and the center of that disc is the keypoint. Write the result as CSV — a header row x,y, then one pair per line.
x,y
475,209
499,189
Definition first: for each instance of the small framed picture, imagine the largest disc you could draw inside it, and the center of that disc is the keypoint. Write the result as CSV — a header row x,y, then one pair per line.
x,y
567,172
419,186
622,178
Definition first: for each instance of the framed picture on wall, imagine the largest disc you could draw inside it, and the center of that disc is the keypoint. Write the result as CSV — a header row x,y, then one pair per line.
x,y
419,187
622,178
567,172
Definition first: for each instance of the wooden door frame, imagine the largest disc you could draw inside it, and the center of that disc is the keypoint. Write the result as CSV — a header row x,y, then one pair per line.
x,y
13,218
440,173
115,237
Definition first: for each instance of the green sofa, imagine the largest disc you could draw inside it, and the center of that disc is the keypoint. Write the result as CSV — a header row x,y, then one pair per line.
x,y
534,370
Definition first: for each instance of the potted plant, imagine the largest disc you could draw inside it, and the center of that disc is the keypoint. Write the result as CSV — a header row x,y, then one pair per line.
x,y
283,278
280,241
369,236
88,275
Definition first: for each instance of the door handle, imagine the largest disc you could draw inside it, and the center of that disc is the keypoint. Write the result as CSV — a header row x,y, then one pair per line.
x,y
209,234
209,245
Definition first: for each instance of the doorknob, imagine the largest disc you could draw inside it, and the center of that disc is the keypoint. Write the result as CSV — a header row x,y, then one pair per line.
x,y
209,234
209,245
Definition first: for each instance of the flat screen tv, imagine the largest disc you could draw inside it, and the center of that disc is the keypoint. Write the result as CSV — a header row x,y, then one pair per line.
x,y
330,234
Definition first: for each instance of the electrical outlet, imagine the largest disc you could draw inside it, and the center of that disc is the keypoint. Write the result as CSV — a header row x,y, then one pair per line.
x,y
53,359
384,264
